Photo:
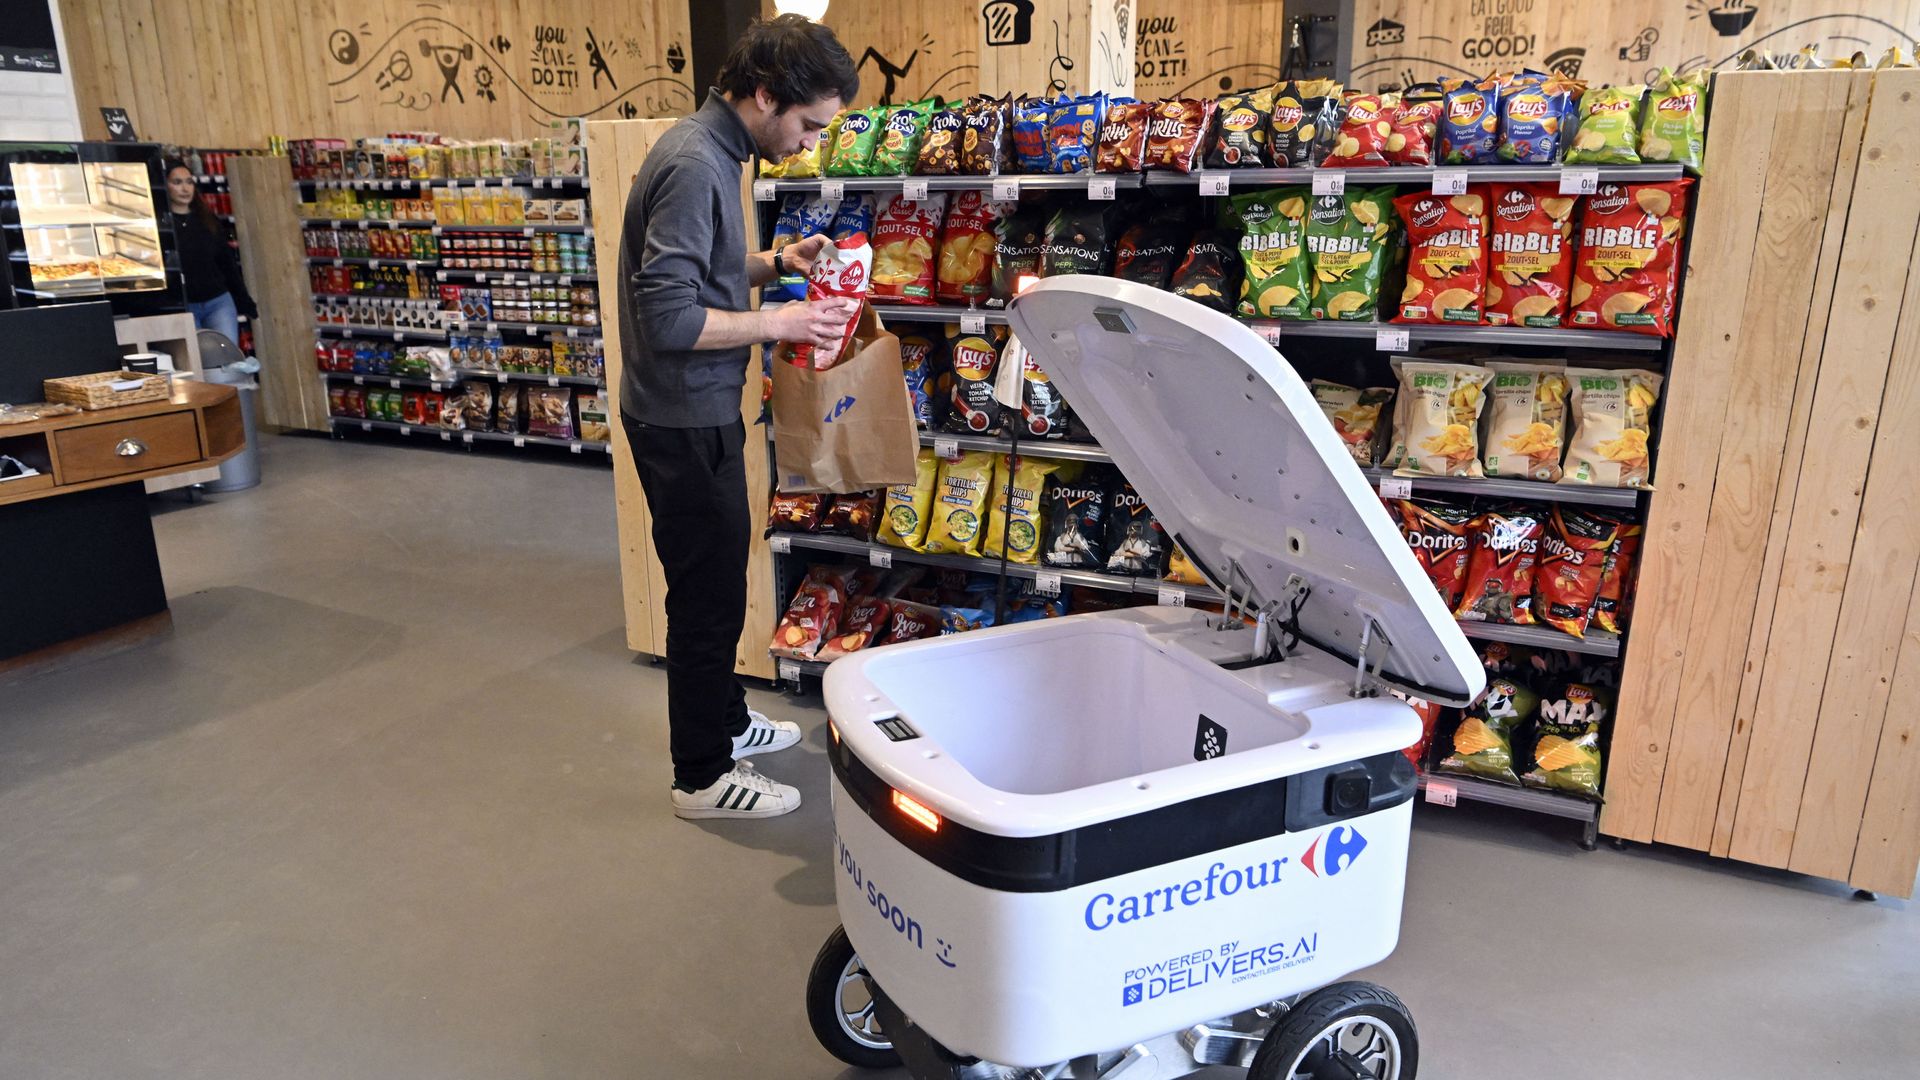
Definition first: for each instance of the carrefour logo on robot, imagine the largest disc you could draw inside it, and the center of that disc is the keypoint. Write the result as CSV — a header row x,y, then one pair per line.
x,y
1329,854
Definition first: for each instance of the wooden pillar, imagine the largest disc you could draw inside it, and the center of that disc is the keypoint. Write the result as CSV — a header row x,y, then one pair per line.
x,y
274,261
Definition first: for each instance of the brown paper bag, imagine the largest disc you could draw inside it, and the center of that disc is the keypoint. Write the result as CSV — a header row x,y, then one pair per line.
x,y
849,428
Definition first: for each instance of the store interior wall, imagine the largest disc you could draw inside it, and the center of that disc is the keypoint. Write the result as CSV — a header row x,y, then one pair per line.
x,y
37,105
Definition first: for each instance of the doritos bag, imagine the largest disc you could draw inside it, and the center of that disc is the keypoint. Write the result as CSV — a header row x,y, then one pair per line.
x,y
1629,261
1364,131
1614,606
1573,557
1135,542
1241,122
1470,123
1211,273
900,137
903,239
967,244
1505,545
1123,137
839,270
1273,253
1532,255
1446,257
1609,131
1437,534
1178,128
1076,520
973,410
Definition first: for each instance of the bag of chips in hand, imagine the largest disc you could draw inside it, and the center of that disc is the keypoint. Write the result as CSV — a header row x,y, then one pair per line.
x,y
840,270
1436,533
903,242
1437,418
940,147
1470,123
1481,745
1176,132
985,144
1566,749
1211,273
1629,262
1446,257
1504,547
1614,606
1527,420
1416,121
1273,253
1613,422
960,494
1350,241
1123,137
900,138
1364,130
1609,127
1356,417
1573,556
1241,123
906,507
1532,255
1674,127
967,242
972,408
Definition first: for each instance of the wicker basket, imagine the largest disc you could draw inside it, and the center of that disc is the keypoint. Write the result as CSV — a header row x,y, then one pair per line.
x,y
97,392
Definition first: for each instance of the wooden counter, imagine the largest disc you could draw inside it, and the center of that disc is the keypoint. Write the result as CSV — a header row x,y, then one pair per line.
x,y
198,426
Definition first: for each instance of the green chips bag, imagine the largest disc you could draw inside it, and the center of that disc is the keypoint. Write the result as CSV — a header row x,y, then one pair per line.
x,y
1674,127
1566,749
1349,244
854,143
1609,127
899,145
1482,744
1272,227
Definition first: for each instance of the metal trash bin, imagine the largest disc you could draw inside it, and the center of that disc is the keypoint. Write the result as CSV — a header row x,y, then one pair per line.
x,y
220,360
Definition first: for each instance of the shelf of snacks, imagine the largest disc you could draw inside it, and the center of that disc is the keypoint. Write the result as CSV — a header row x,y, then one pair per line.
x,y
347,330
533,377
888,555
365,223
342,423
935,313
1438,788
1080,182
477,408
1276,330
362,260
515,277
1419,174
1058,449
1497,488
395,382
523,228
1595,643
400,183
532,329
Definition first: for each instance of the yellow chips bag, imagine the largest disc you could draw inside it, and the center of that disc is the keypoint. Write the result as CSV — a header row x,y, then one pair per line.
x,y
1526,421
1613,422
959,513
903,519
1436,422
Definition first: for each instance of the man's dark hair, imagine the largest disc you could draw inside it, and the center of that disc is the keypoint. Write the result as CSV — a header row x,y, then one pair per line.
x,y
798,61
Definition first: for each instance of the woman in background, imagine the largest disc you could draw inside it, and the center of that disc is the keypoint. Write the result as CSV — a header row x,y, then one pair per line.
x,y
216,293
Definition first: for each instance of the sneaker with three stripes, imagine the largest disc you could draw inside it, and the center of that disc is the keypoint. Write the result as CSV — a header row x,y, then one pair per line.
x,y
742,793
764,736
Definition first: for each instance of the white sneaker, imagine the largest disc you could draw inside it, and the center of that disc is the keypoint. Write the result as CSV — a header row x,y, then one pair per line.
x,y
741,793
764,736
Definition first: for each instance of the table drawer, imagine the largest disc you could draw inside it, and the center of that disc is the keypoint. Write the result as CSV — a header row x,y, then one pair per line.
x,y
99,451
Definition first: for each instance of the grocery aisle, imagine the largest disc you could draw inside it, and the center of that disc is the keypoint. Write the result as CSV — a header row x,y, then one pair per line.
x,y
389,803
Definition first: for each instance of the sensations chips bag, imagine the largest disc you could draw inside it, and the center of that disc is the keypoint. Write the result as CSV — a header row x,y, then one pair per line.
x,y
1532,255
1446,257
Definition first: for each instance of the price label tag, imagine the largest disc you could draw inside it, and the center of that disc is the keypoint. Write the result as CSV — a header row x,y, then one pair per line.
x,y
553,380
502,376
781,545
1214,184
1006,190
359,381
405,430
880,557
973,324
1101,189
541,181
386,185
439,275
346,332
1329,182
520,440
365,225
1047,584
339,262
946,448
833,190
1172,597
1396,487
914,190
790,670
395,383
398,336
467,437
1442,794
373,264
527,231
607,446
1449,181
435,230
1579,181
493,328
1392,340
480,278
575,447
1271,332
366,425
446,436
573,331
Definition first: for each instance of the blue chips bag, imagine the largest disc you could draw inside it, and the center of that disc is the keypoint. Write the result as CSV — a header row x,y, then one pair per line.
x,y
1470,124
854,215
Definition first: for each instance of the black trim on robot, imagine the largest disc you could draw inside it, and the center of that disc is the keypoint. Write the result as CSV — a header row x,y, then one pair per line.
x,y
1065,860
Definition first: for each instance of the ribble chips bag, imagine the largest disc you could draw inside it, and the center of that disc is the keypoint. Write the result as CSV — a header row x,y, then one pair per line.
x,y
1273,253
1532,255
1446,257
1629,260
1349,243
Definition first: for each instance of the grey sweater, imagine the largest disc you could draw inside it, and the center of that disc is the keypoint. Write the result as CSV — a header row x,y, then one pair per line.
x,y
684,250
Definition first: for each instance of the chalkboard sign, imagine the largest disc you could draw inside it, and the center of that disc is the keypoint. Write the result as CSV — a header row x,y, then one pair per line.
x,y
119,125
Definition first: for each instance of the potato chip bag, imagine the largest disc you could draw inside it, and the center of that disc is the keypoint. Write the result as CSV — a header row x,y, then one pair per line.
x,y
900,137
1612,432
1470,123
959,514
1021,480
1437,418
1043,411
1436,533
1526,420
851,514
1149,251
1175,134
801,216
985,144
1609,130
916,363
1482,743
863,623
1365,128
1573,556
840,270
1305,117
1073,132
1123,137
903,241
1534,110
940,147
1020,241
1532,255
811,615
1503,547
1356,417
1241,123
1180,569
1629,262
1349,244
1566,750
1447,240
972,408
1210,274
853,217
1416,120
910,622
791,512
1078,241
1273,253
1614,606
854,143
967,241
906,507
1675,123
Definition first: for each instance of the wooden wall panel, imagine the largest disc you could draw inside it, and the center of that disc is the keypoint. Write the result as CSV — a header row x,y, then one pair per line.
x,y
220,73
271,256
1889,844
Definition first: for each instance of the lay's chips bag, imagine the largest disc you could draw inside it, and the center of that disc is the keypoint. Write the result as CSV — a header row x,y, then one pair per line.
x,y
1470,122
1675,123
1609,132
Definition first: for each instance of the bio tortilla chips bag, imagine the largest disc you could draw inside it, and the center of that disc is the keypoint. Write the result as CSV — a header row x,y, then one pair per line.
x,y
1526,420
1482,744
966,249
903,240
900,137
1609,131
904,512
1273,253
1024,479
1356,417
1629,261
1532,255
854,143
959,512
1573,556
1349,243
1675,124
1613,417
1446,257
1437,418
1566,748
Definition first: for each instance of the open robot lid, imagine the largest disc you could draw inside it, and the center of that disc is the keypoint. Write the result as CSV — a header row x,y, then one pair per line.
x,y
1230,449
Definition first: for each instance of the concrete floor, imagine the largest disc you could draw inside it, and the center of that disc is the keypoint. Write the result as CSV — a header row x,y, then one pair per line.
x,y
391,802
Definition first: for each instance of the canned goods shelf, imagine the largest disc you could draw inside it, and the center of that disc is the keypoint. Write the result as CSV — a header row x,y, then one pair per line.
x,y
1544,337
394,382
935,313
1416,174
1535,490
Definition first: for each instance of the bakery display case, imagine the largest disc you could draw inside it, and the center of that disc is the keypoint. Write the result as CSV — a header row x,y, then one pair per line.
x,y
82,221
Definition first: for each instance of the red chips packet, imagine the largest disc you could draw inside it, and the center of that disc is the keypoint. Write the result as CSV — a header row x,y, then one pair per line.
x,y
1437,533
1123,137
1178,128
1630,257
1505,544
1365,129
1573,556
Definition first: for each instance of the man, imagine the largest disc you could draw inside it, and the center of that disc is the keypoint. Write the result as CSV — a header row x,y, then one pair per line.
x,y
687,336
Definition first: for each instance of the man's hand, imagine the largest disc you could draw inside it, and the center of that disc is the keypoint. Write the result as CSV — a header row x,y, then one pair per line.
x,y
821,323
801,253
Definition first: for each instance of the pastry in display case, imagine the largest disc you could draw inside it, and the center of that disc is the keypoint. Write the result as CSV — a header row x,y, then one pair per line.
x,y
80,223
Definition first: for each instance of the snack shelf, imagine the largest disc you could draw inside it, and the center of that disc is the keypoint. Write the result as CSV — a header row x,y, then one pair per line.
x,y
365,223
534,329
210,178
514,277
395,382
1028,182
407,334
935,313
1051,449
1415,174
521,227
1519,798
1493,335
391,184
362,260
1534,490
846,545
531,377
340,423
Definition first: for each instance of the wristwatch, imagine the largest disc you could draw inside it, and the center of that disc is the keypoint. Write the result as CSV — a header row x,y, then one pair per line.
x,y
780,259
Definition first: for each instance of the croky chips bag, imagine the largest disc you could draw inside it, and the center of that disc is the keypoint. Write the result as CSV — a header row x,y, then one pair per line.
x,y
864,622
854,144
1077,241
1532,255
1176,132
1364,130
1148,252
1027,121
840,270
1020,239
1123,137
1470,122
1534,110
1446,257
1210,274
967,242
959,513
1612,426
900,139
1436,532
972,409
940,147
1566,749
903,240
1416,119
1023,480
1273,253
1241,123
904,508
1609,131
1482,744
1526,420
1573,556
984,145
1614,606
1349,243
1356,417
1073,131
1629,261
1305,115
1437,418
1675,123
1504,546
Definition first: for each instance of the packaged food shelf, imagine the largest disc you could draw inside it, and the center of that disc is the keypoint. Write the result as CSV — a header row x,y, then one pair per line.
x,y
1519,798
534,329
1248,179
935,313
361,260
412,334
515,277
348,423
848,546
392,184
1531,490
1054,449
532,377
1034,182
1544,337
364,223
395,382
522,228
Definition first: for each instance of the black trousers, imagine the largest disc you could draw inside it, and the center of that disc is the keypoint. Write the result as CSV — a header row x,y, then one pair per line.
x,y
696,485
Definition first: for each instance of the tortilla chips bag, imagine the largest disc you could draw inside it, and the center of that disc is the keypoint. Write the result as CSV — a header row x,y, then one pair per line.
x,y
905,509
1504,547
959,512
1613,427
1614,606
1573,556
1437,418
1436,533
1527,420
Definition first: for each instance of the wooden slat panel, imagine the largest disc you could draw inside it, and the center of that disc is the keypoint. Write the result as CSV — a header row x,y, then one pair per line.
x,y
274,262
1756,367
151,99
1889,845
763,607
1853,373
